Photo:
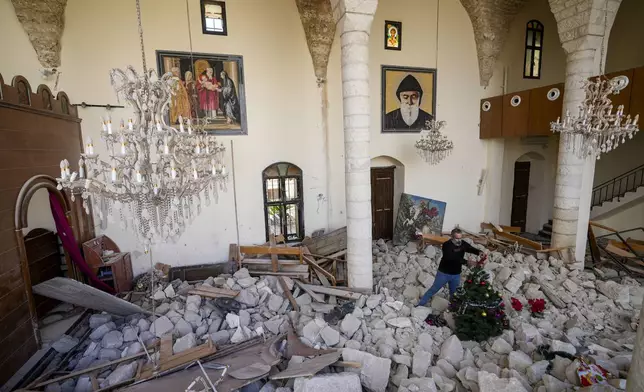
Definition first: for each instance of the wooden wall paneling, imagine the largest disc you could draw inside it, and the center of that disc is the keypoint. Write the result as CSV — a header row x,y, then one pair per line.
x,y
624,96
637,94
37,130
515,118
492,120
543,111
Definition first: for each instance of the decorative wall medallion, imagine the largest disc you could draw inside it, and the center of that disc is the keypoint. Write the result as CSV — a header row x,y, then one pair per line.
x,y
554,94
515,101
486,106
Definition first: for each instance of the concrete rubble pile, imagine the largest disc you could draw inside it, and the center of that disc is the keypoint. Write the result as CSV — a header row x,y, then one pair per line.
x,y
386,333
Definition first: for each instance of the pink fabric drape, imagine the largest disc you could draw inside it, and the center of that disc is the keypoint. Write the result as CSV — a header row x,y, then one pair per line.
x,y
66,236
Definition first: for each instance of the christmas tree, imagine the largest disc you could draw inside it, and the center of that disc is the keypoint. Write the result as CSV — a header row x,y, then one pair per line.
x,y
478,308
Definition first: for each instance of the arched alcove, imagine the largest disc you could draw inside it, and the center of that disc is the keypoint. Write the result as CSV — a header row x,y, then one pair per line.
x,y
529,209
387,184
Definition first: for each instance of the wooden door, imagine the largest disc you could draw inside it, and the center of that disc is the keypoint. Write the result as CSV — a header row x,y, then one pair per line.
x,y
520,194
382,202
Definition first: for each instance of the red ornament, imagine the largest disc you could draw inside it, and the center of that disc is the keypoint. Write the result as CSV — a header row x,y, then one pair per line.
x,y
482,283
469,281
516,304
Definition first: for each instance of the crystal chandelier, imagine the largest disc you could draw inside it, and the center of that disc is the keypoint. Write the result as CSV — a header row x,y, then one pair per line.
x,y
154,175
433,146
597,128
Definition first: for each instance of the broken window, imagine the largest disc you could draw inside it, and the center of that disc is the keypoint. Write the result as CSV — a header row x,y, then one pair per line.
x,y
533,50
283,201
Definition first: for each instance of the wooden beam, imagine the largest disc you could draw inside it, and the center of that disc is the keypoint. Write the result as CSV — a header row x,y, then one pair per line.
x,y
288,293
510,229
319,269
278,250
334,291
269,262
612,248
521,240
274,264
432,238
221,292
315,296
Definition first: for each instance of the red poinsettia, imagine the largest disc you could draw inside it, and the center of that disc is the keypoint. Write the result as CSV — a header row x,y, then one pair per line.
x,y
516,304
433,212
537,305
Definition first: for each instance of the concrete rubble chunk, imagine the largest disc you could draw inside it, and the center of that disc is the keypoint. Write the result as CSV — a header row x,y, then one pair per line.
x,y
220,337
557,345
312,329
447,368
330,336
232,320
488,382
452,351
513,285
304,299
169,292
402,359
426,341
109,354
100,331
161,326
112,339
374,372
143,325
184,343
421,362
527,332
373,301
402,373
553,384
536,371
337,382
439,304
275,302
350,324
399,322
519,360
64,344
182,328
420,312
424,384
130,334
122,373
96,320
500,346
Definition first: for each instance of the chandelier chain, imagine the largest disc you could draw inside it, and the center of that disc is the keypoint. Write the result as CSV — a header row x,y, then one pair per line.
x,y
140,24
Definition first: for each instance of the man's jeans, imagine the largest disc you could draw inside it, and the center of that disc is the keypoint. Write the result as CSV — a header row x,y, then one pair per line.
x,y
441,280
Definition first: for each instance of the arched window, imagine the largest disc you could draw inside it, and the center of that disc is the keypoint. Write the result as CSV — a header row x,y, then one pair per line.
x,y
283,201
533,50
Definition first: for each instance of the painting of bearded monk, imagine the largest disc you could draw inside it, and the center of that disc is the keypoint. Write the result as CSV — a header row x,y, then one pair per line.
x,y
408,98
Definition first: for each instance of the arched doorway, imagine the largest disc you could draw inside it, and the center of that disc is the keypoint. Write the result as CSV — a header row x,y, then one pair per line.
x,y
528,192
387,184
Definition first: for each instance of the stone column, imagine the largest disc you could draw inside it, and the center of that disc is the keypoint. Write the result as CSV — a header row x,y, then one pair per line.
x,y
582,26
353,18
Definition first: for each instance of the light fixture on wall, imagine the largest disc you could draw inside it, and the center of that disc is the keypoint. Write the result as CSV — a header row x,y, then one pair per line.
x,y
433,146
155,174
597,128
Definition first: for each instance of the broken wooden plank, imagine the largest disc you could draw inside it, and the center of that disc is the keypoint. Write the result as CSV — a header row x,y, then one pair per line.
x,y
304,275
325,282
274,264
308,368
329,243
167,362
600,226
77,293
612,248
355,365
288,293
269,261
220,291
510,229
551,294
314,296
319,269
278,250
333,291
301,268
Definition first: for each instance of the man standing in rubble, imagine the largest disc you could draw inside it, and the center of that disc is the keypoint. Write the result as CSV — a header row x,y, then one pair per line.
x,y
449,269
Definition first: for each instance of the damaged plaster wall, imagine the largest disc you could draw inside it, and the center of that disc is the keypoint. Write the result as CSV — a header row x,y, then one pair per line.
x,y
44,22
491,21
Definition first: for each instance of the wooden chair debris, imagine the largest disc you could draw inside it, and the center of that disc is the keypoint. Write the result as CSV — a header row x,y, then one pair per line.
x,y
283,261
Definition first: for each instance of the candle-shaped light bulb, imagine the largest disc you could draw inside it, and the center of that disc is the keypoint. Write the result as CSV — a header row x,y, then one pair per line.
x,y
109,125
159,126
166,148
103,124
181,124
72,178
189,127
123,149
122,126
207,149
198,148
67,172
214,167
139,176
173,170
62,169
130,125
113,174
156,189
90,146
223,170
81,168
194,170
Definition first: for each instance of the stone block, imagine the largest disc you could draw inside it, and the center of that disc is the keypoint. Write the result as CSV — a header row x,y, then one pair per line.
x,y
64,344
330,336
501,346
161,326
374,371
112,339
337,382
557,345
422,384
399,322
452,351
488,382
101,330
184,343
439,304
421,362
536,371
130,334
350,325
96,320
182,328
519,360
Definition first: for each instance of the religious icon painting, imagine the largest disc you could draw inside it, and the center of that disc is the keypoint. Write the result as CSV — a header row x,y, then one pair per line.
x,y
209,89
408,98
213,17
393,35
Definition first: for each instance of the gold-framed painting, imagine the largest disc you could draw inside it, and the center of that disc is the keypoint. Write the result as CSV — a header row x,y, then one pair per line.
x,y
408,98
209,87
